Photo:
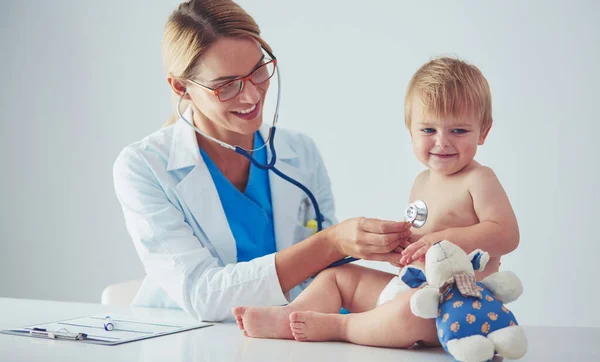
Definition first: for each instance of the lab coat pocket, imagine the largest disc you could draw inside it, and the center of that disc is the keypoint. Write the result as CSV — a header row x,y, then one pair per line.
x,y
305,211
301,233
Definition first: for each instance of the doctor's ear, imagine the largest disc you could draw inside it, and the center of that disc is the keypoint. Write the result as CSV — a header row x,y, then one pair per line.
x,y
178,86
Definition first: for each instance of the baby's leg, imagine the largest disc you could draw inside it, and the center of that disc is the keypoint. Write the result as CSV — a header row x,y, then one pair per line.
x,y
350,286
389,325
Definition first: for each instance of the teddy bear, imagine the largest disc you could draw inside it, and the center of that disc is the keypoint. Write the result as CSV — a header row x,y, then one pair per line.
x,y
472,322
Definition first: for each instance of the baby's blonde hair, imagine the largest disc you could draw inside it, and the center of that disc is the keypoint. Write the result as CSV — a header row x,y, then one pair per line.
x,y
195,26
450,87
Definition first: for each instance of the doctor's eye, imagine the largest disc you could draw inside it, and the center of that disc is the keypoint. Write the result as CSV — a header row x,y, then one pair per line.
x,y
459,131
428,130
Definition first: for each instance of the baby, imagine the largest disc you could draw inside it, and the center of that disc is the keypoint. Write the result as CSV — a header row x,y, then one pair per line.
x,y
448,111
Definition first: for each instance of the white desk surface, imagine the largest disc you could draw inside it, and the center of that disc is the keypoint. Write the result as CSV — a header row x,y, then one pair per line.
x,y
224,342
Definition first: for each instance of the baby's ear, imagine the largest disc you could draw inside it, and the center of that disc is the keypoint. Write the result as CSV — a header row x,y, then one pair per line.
x,y
483,135
479,259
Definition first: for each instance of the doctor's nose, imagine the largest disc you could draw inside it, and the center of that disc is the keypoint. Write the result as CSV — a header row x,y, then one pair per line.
x,y
250,93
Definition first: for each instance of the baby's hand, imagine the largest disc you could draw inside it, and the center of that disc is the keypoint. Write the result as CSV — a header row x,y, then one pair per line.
x,y
417,249
404,243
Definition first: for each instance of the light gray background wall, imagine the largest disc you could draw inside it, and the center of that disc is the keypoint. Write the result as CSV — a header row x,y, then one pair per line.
x,y
81,79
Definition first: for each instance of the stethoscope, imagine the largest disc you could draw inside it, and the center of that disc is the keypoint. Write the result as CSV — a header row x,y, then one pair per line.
x,y
415,212
270,165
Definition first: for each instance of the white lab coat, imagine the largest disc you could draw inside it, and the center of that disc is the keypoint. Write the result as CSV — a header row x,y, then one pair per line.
x,y
175,217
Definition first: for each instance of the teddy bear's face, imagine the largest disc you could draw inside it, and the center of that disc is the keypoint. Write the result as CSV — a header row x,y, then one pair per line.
x,y
444,260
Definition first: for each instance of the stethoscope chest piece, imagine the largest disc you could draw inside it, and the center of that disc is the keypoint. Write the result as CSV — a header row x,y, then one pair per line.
x,y
416,213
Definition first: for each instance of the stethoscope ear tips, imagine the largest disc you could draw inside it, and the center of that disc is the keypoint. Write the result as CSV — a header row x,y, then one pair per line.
x,y
416,213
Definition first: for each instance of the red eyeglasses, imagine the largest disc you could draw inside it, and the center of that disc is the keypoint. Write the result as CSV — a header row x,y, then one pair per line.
x,y
231,89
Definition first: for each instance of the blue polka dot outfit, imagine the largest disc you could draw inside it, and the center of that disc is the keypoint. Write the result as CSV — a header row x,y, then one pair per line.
x,y
462,316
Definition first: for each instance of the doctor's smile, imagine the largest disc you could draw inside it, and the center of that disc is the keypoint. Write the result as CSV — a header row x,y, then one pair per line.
x,y
251,112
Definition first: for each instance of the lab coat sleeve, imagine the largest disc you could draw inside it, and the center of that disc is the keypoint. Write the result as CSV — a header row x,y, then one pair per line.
x,y
174,257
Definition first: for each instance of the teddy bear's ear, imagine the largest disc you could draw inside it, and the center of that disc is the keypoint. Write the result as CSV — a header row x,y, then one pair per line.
x,y
479,259
413,277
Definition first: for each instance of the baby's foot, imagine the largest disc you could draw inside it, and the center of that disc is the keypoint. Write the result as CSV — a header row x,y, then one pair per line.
x,y
238,312
313,326
264,322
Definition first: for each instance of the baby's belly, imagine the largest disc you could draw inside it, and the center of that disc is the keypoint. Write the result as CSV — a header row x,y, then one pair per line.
x,y
455,218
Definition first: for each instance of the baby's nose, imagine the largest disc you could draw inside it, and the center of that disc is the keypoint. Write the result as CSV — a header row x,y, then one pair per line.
x,y
442,140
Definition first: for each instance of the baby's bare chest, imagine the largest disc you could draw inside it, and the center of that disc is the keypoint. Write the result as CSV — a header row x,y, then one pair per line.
x,y
447,206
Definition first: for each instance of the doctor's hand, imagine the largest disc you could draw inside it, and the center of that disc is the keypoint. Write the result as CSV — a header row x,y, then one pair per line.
x,y
371,239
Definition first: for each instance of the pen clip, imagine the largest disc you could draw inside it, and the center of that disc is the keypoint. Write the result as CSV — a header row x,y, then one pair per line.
x,y
61,333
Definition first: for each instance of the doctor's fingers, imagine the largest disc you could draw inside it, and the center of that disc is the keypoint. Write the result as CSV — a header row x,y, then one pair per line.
x,y
404,243
384,239
392,258
398,250
382,226
369,249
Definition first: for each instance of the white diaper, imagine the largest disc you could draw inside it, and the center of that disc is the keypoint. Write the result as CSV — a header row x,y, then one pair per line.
x,y
391,290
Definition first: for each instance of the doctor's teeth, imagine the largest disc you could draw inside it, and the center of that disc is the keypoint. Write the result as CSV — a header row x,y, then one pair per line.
x,y
247,110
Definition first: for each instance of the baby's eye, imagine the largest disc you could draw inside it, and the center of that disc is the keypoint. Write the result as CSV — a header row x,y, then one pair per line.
x,y
428,130
459,131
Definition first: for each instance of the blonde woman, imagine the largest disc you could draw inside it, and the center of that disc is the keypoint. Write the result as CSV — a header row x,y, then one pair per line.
x,y
212,230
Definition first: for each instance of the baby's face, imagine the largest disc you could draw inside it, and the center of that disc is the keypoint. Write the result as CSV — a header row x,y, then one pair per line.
x,y
445,145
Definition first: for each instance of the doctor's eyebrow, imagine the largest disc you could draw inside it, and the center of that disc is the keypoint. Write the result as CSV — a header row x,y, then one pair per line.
x,y
230,77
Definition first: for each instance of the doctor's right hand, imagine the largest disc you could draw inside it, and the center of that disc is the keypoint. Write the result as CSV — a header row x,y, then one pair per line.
x,y
371,239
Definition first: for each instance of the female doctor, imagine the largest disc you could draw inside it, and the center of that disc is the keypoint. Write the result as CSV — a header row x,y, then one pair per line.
x,y
212,230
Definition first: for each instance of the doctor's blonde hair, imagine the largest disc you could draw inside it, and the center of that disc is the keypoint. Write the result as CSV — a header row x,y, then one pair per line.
x,y
194,27
449,86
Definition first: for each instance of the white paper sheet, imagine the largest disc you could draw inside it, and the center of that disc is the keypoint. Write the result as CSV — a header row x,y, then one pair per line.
x,y
126,329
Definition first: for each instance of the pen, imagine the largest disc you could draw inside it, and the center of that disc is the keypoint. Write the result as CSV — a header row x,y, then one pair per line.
x,y
61,333
108,324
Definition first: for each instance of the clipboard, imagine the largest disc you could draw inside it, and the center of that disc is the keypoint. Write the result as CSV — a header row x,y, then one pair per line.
x,y
90,329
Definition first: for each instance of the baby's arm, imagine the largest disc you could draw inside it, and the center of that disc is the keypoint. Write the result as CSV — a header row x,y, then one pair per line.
x,y
497,231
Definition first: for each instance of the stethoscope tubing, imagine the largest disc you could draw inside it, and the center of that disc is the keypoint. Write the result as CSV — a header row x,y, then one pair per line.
x,y
418,221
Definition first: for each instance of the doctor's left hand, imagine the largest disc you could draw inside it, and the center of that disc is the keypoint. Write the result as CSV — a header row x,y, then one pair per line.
x,y
371,239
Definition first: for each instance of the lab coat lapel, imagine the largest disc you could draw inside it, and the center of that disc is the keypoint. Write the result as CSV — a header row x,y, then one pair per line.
x,y
285,197
197,190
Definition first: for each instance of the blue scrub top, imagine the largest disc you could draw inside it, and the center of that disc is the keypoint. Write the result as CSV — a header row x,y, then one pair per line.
x,y
249,214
